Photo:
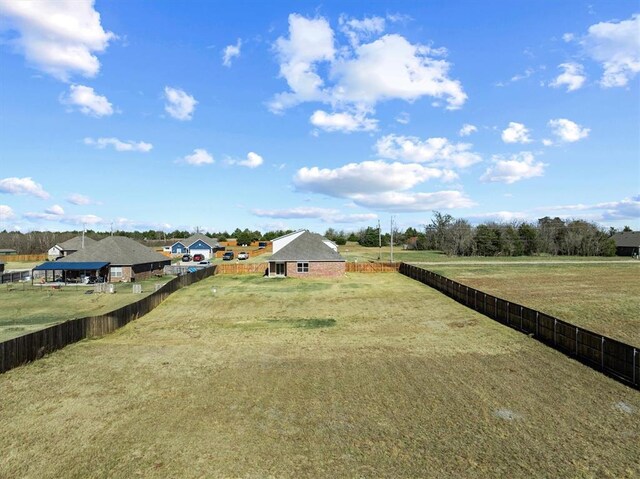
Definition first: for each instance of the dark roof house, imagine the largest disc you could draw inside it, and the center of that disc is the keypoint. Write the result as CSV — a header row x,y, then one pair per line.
x,y
128,259
627,243
308,255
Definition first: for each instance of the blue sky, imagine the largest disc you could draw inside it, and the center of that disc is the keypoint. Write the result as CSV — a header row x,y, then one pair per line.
x,y
272,115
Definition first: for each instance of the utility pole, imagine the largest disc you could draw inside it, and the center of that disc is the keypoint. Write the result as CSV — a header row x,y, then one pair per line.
x,y
379,242
112,228
392,238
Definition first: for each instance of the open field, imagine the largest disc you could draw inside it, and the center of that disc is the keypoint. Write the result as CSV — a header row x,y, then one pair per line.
x,y
366,376
353,252
604,298
25,308
13,265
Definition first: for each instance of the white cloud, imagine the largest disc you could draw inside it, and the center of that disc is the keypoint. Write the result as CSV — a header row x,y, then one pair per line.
x,y
392,68
467,129
6,213
57,37
327,215
357,30
56,210
617,47
394,201
499,217
78,199
83,220
179,104
230,52
403,118
626,209
521,76
368,177
361,75
572,76
568,37
253,161
199,157
119,145
344,122
516,133
547,142
128,224
87,101
434,151
310,41
519,167
23,186
568,131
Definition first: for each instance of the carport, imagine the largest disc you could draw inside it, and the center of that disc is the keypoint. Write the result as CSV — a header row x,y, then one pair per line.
x,y
70,272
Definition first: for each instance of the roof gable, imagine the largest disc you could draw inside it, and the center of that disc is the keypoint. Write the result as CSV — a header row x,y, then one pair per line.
x,y
117,250
307,247
75,244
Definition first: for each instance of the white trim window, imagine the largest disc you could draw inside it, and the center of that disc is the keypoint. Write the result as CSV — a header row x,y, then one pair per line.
x,y
303,267
116,271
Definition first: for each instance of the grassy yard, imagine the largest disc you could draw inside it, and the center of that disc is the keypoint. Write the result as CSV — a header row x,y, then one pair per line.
x,y
353,252
25,308
604,298
366,376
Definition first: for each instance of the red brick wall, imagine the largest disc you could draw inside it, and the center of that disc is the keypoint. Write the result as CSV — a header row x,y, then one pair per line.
x,y
320,269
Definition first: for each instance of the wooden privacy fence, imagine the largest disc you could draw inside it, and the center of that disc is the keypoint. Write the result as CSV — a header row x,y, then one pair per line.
x,y
618,360
32,346
241,268
23,257
372,267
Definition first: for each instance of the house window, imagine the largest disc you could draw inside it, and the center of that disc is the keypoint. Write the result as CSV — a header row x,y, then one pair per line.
x,y
303,267
116,272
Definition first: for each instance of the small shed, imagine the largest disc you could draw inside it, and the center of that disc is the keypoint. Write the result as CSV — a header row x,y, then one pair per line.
x,y
306,255
627,243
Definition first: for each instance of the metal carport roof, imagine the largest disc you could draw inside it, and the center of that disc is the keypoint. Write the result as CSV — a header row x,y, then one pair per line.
x,y
69,266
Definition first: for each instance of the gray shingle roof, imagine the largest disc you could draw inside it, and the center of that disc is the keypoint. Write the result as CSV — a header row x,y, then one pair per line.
x,y
627,239
75,244
192,239
307,247
117,250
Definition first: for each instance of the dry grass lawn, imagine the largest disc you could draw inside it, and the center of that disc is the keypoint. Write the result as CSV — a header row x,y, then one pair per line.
x,y
366,376
25,308
604,298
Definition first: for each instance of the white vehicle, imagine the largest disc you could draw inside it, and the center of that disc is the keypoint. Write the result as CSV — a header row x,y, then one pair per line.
x,y
243,255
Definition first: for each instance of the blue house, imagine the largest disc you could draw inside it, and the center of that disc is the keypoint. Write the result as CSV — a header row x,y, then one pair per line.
x,y
196,244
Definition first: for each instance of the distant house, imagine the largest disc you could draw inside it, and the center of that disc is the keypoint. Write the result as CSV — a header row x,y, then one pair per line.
x,y
627,243
127,259
196,244
303,254
65,248
7,252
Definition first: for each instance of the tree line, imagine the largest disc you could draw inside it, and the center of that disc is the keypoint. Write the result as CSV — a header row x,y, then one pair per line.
x,y
458,237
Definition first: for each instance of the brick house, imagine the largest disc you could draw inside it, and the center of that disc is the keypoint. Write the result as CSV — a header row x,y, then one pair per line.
x,y
128,260
305,255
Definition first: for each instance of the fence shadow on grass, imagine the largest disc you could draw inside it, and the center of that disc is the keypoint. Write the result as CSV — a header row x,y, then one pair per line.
x,y
36,344
617,360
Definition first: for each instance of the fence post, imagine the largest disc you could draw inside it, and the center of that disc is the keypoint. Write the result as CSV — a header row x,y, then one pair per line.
x,y
635,379
475,299
537,324
577,329
555,323
508,314
602,353
495,308
521,320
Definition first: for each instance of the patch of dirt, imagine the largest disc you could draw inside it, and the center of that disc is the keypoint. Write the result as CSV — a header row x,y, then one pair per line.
x,y
624,407
507,414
